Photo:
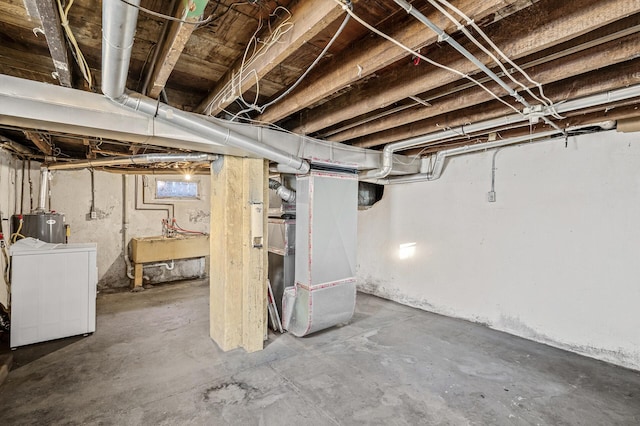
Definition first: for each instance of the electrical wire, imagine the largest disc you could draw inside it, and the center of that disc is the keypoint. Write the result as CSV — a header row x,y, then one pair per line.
x,y
79,57
215,18
475,41
167,17
315,62
293,86
471,22
237,79
424,58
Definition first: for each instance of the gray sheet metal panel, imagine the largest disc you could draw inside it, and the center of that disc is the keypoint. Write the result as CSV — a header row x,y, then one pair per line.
x,y
48,227
334,228
303,227
326,237
282,236
281,257
281,276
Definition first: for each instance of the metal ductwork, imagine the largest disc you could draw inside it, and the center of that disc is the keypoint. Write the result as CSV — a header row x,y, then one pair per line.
x,y
287,195
197,124
119,24
118,28
44,186
433,138
135,160
442,156
324,293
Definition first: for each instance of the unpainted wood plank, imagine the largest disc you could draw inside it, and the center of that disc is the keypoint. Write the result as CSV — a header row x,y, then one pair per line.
x,y
238,270
599,81
254,265
225,303
594,58
370,56
177,36
308,19
37,140
560,24
138,273
51,25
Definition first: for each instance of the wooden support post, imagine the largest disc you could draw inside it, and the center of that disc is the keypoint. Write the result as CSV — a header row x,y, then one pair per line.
x,y
238,257
137,276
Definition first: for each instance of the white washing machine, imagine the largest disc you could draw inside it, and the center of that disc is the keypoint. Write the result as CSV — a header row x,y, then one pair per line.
x,y
53,290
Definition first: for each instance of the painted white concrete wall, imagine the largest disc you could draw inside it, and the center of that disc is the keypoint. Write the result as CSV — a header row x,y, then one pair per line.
x,y
71,195
555,259
11,193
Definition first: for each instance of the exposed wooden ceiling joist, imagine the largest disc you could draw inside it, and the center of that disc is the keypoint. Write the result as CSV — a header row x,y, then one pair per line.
x,y
177,35
613,77
307,20
365,91
557,26
375,54
546,73
596,118
39,142
52,28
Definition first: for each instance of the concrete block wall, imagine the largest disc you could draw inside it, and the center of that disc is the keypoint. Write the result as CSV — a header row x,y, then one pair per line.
x,y
555,259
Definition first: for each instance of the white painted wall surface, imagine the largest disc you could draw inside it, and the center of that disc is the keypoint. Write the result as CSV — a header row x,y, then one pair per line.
x,y
10,196
555,259
71,195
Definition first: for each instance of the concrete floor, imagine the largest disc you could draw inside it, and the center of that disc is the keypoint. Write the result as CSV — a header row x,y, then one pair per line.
x,y
151,362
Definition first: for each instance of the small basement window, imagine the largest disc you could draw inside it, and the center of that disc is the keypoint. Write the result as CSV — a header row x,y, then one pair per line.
x,y
180,189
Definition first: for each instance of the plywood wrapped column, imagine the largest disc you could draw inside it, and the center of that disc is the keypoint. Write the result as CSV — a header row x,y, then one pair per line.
x,y
238,258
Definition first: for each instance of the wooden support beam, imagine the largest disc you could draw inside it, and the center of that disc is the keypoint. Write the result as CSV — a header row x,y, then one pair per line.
x,y
592,83
614,52
375,53
52,27
39,142
177,36
560,24
238,259
308,19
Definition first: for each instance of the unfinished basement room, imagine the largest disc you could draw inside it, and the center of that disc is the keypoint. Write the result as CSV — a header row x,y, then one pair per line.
x,y
319,212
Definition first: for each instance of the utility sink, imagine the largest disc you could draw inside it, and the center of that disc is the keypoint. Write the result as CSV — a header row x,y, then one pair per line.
x,y
158,249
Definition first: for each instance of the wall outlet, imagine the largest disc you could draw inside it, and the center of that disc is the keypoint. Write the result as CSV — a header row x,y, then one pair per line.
x,y
491,196
94,215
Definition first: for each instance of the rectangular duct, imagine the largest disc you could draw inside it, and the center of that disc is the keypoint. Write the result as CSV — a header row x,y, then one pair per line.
x,y
326,239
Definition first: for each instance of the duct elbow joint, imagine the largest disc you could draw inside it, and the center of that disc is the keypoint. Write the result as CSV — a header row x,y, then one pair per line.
x,y
286,194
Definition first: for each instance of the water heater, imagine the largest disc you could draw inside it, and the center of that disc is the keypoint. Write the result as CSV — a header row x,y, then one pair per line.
x,y
48,227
